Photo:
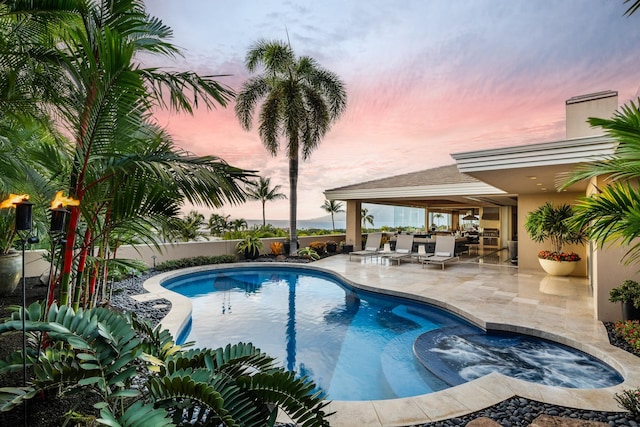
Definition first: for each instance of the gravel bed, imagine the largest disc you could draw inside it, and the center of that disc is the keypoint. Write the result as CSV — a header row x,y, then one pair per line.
x,y
512,412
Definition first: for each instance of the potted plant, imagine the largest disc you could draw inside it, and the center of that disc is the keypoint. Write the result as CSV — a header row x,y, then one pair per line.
x,y
332,246
628,293
553,223
308,253
249,247
318,247
345,249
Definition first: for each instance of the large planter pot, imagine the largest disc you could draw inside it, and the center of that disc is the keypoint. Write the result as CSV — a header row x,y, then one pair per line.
x,y
254,254
331,247
557,268
629,312
10,272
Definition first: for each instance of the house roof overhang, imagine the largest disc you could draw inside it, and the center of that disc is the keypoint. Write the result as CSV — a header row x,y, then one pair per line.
x,y
535,167
443,187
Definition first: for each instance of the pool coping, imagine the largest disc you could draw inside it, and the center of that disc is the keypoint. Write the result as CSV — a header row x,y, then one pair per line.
x,y
452,402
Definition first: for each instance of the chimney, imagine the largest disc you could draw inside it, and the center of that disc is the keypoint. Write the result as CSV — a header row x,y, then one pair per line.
x,y
580,108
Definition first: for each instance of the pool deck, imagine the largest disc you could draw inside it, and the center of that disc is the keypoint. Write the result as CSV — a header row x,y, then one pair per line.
x,y
495,297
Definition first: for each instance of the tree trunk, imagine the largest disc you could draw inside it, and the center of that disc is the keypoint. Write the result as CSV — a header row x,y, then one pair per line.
x,y
293,202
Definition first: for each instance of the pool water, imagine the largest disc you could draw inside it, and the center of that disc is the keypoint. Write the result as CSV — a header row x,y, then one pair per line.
x,y
358,345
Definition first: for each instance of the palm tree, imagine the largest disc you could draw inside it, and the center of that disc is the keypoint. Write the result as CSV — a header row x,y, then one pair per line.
x,y
301,101
366,217
332,207
218,224
239,224
613,213
263,192
125,170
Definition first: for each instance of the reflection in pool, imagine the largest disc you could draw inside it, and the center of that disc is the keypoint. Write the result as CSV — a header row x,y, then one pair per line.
x,y
359,345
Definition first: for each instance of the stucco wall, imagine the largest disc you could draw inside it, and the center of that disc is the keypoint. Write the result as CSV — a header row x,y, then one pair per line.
x,y
527,248
36,265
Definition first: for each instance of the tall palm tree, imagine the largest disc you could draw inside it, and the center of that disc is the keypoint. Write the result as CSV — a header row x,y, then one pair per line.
x,y
613,213
367,218
300,102
125,170
333,207
263,192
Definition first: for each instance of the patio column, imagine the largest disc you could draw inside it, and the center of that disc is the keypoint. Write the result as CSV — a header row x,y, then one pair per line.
x,y
426,219
354,220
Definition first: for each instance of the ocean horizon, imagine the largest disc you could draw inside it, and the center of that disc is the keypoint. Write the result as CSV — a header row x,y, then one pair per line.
x,y
309,224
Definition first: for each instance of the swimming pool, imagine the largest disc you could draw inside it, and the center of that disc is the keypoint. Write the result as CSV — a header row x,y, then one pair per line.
x,y
358,345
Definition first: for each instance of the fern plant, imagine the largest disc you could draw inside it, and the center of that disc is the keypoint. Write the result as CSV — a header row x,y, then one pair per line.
x,y
108,355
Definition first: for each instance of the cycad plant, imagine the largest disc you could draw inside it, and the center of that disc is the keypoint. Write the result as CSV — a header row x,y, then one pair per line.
x,y
139,377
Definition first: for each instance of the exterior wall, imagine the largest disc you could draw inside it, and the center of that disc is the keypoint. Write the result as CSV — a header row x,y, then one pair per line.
x,y
36,265
608,271
527,248
580,108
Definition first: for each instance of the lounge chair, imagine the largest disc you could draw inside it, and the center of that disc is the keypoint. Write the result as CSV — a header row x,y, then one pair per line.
x,y
372,246
404,246
445,251
421,255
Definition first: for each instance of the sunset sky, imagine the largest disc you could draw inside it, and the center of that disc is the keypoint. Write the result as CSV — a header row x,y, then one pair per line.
x,y
424,79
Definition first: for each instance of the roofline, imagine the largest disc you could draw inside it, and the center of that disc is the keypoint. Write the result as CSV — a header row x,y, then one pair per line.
x,y
570,151
463,189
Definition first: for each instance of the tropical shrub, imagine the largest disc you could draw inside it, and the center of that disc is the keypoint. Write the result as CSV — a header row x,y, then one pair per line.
x,y
553,223
250,246
630,400
194,262
276,248
628,291
308,253
140,377
629,330
318,246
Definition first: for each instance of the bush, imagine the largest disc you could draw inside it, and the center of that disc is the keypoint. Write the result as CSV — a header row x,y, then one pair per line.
x,y
194,262
630,400
276,248
318,246
629,330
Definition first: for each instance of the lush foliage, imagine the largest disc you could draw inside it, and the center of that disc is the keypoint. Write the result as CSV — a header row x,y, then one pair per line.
x,y
628,291
276,248
140,377
630,400
308,253
318,246
629,330
559,256
80,72
194,262
552,223
250,245
300,101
